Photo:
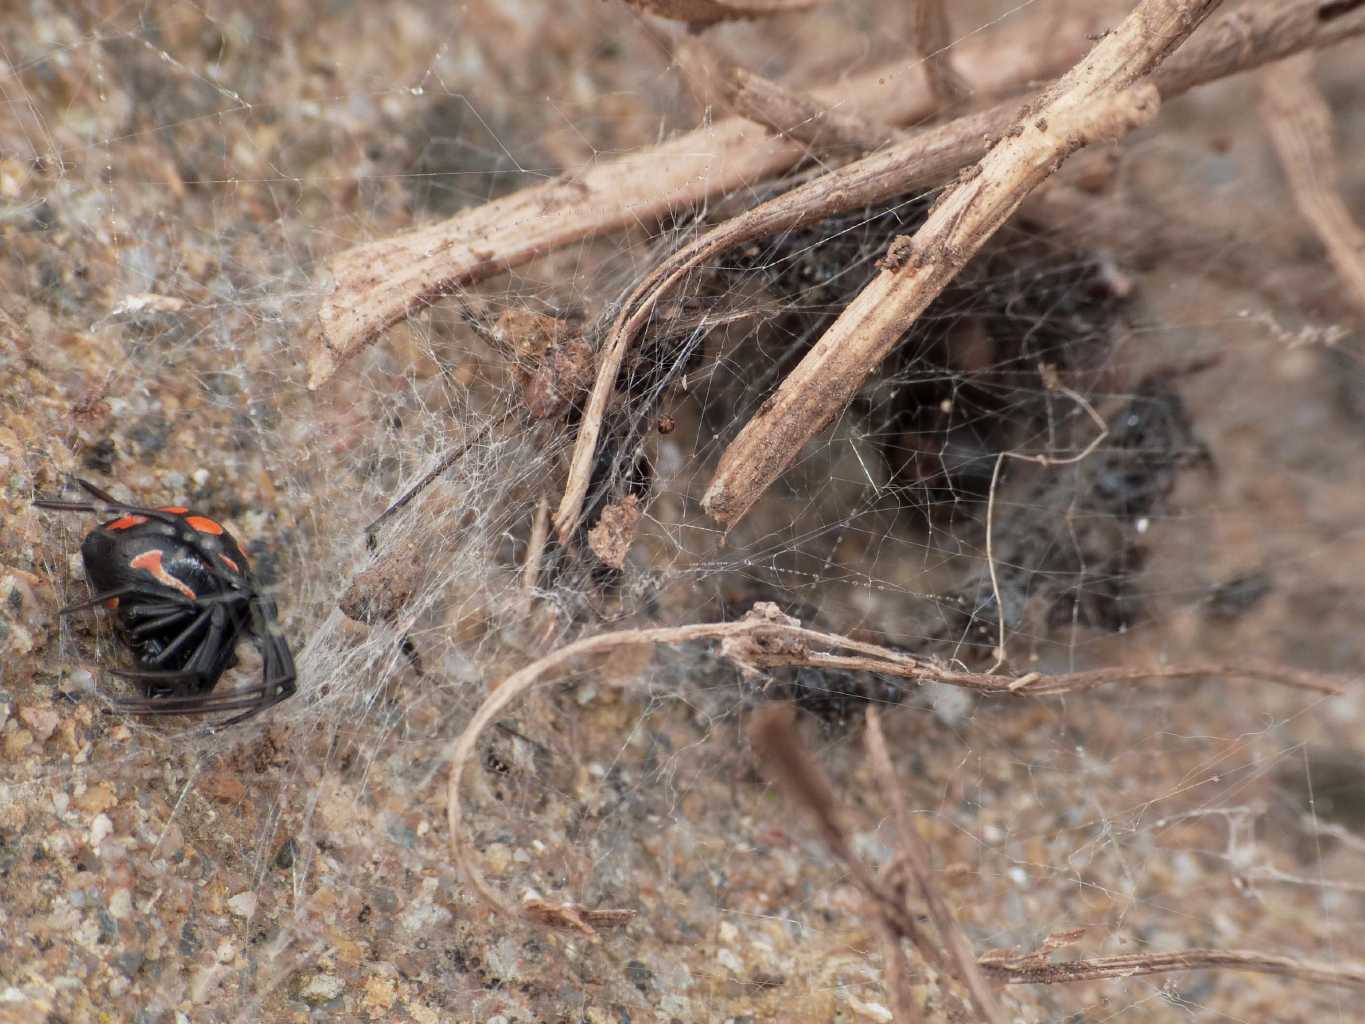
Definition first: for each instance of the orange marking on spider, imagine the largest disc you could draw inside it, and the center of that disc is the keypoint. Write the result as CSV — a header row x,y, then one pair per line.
x,y
203,524
126,523
150,561
179,510
230,563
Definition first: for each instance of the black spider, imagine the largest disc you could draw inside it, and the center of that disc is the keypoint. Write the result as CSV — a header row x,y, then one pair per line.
x,y
184,594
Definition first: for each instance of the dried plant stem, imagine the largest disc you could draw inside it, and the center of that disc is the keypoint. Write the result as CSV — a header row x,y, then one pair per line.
x,y
765,639
1236,42
933,37
375,284
1098,100
799,117
535,552
707,12
1300,125
911,848
898,977
778,748
1027,970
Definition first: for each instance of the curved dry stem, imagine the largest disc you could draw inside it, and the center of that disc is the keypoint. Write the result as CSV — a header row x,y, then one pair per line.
x,y
1041,460
761,640
926,158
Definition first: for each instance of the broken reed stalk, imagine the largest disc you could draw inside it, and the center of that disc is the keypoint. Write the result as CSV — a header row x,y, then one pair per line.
x,y
765,638
535,553
778,748
1028,970
933,38
912,848
1236,42
1102,99
376,284
1300,125
701,13
799,117
805,119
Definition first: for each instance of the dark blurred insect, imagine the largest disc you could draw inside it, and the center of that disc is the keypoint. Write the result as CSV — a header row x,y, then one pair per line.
x,y
183,593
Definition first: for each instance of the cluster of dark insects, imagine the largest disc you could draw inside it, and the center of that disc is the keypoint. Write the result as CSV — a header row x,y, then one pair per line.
x,y
183,594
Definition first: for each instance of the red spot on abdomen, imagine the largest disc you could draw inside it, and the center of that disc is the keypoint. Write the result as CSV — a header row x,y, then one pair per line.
x,y
111,603
231,564
178,510
203,524
150,562
126,523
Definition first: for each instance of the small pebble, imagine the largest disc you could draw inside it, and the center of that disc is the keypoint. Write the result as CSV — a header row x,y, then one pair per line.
x,y
243,904
321,988
100,829
121,904
872,1011
729,961
97,798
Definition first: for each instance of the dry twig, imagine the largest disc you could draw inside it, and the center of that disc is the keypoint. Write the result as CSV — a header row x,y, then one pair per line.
x,y
375,284
933,37
911,847
778,747
1033,970
765,638
699,13
1099,100
1300,125
798,117
1236,42
535,552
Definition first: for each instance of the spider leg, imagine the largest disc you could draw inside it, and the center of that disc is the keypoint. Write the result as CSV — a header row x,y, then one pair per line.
x,y
104,503
278,673
278,669
226,622
150,627
185,636
58,505
277,685
199,668
157,609
95,492
159,676
207,663
197,704
108,595
252,701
